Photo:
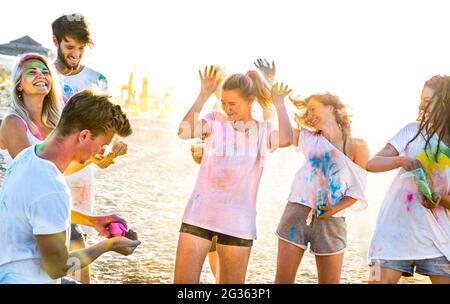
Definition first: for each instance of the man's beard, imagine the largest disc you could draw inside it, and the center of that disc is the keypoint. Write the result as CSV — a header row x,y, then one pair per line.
x,y
64,61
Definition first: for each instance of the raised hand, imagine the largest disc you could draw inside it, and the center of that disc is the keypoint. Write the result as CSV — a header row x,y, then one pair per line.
x,y
266,69
279,91
210,80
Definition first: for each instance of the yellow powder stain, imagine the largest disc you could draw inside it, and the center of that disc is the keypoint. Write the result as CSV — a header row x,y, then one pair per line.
x,y
429,163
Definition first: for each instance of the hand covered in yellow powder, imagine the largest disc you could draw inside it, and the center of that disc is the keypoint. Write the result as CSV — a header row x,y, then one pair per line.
x,y
279,92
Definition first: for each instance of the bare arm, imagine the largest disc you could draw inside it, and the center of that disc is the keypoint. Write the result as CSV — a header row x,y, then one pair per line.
x,y
58,262
191,126
13,135
345,202
388,159
282,137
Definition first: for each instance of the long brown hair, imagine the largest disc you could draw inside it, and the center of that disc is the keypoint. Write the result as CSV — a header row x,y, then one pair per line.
x,y
251,85
438,122
343,119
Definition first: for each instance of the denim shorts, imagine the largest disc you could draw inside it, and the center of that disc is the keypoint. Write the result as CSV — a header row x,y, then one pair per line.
x,y
222,239
326,237
428,267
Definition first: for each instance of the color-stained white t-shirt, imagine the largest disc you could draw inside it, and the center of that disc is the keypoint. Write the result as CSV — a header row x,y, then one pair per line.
x,y
86,79
34,200
405,229
224,197
327,167
81,183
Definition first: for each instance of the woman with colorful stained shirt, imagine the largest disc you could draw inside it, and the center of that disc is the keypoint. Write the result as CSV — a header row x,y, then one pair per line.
x,y
224,198
268,71
331,179
413,227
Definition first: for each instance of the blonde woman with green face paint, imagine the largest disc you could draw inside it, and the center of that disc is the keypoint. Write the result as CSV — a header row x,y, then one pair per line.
x,y
35,109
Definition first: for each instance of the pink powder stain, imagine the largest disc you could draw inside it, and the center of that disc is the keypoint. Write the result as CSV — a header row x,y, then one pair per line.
x,y
409,199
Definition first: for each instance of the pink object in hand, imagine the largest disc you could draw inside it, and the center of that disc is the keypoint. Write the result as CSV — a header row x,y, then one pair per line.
x,y
117,229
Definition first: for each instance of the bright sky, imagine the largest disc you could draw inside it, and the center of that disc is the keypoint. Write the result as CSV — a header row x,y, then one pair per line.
x,y
374,54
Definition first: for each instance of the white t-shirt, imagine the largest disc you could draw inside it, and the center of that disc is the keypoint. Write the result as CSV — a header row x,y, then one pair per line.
x,y
224,197
34,200
86,79
326,166
81,183
405,229
31,138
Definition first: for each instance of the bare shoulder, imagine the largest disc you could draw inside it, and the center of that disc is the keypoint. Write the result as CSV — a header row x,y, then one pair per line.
x,y
360,152
12,124
12,121
359,144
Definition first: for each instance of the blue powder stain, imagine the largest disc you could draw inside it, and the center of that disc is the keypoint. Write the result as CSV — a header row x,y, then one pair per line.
x,y
292,232
329,170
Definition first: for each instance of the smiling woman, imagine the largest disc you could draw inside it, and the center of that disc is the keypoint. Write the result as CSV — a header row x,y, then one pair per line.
x,y
35,105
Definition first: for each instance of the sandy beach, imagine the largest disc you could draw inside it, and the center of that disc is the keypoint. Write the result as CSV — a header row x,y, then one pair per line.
x,y
151,185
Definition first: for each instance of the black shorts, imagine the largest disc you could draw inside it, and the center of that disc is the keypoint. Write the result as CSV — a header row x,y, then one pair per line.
x,y
222,239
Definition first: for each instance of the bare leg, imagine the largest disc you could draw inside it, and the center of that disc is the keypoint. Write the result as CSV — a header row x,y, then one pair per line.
x,y
82,275
440,280
213,259
288,260
329,268
191,254
233,262
380,275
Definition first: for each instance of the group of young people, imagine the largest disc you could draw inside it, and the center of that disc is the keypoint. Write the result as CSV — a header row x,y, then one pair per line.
x,y
59,124
412,233
56,132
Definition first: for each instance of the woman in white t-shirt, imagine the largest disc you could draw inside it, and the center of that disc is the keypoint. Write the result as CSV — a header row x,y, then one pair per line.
x,y
35,107
224,198
413,234
330,180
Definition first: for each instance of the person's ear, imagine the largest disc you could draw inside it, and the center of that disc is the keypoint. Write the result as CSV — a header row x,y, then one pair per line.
x,y
55,41
84,135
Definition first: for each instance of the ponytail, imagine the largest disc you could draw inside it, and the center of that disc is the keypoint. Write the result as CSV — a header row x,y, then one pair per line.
x,y
251,85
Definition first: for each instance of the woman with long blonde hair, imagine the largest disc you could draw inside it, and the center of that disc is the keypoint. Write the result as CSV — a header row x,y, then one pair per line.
x,y
35,107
